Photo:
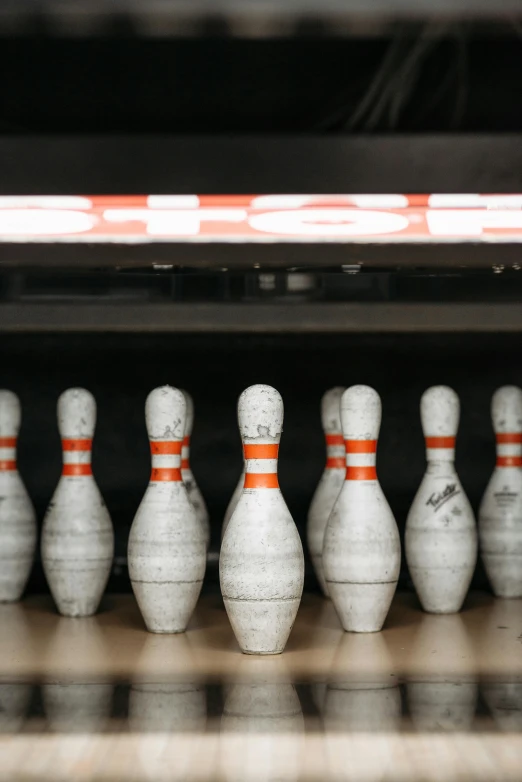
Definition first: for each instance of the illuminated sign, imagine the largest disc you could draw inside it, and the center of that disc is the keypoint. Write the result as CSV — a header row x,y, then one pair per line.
x,y
262,218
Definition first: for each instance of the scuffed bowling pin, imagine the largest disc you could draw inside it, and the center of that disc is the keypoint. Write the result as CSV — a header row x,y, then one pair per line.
x,y
441,535
500,514
361,553
331,480
17,516
167,550
191,486
77,535
261,566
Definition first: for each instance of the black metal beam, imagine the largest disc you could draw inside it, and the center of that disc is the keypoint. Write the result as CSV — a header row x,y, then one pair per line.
x,y
261,318
117,165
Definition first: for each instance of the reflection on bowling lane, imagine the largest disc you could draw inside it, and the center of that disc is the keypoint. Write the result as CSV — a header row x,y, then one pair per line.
x,y
169,706
262,727
14,702
362,702
157,703
442,705
167,715
504,701
437,699
77,707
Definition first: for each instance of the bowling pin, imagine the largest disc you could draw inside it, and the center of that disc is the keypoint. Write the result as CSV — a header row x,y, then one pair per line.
x,y
261,567
167,550
17,516
191,486
233,501
331,480
500,514
77,535
441,535
361,552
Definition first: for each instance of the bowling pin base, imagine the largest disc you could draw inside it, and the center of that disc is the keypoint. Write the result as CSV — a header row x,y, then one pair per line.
x,y
77,593
504,573
362,608
441,590
167,607
317,562
262,626
14,575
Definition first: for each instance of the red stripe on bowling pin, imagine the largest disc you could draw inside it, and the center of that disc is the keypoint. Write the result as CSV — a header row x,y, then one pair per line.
x,y
76,457
7,454
360,460
261,465
509,449
165,460
335,452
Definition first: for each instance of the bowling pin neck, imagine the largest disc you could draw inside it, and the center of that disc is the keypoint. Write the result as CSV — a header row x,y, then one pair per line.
x,y
360,460
76,422
440,450
76,456
440,412
165,416
509,450
261,464
335,452
166,461
8,454
10,416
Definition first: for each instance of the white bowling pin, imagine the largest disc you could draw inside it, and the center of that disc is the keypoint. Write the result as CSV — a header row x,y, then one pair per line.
x,y
441,535
238,491
191,486
167,550
361,552
331,480
500,514
17,516
77,535
261,566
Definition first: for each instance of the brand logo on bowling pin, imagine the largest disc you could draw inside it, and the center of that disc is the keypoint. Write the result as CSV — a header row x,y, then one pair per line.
x,y
17,516
261,566
438,499
167,551
77,535
330,482
441,536
361,552
500,514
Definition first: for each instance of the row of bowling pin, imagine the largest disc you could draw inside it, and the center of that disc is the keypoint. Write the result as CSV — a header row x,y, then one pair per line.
x,y
261,565
77,535
441,538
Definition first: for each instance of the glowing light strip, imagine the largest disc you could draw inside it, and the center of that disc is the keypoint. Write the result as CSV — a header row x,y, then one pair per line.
x,y
351,218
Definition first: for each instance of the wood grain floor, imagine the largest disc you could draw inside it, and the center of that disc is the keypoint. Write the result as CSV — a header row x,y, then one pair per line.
x,y
445,667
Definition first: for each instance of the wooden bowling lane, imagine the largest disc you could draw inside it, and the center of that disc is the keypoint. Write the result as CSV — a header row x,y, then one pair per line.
x,y
485,639
431,697
260,757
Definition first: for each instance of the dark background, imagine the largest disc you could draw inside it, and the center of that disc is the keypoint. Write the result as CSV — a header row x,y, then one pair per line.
x,y
458,78
121,370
